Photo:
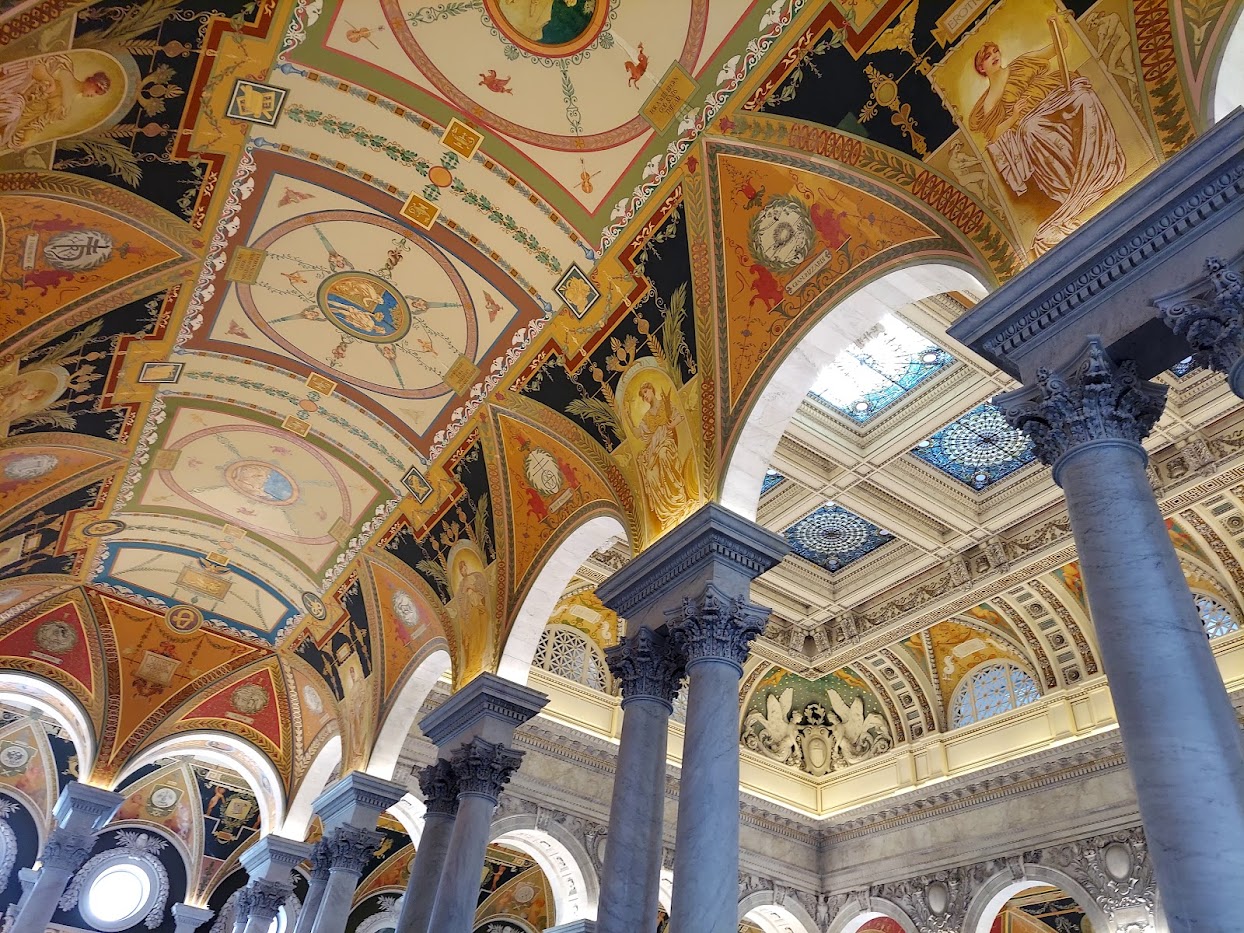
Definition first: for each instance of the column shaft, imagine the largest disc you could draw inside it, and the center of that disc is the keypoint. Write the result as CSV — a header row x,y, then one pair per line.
x,y
36,913
425,874
311,906
458,892
1183,743
336,901
706,852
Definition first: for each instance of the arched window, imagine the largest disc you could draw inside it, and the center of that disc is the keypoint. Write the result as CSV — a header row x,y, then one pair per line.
x,y
992,688
568,653
1216,617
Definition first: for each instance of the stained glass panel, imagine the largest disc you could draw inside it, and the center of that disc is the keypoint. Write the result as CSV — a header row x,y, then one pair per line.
x,y
1216,617
831,537
990,690
890,360
772,478
978,449
1183,367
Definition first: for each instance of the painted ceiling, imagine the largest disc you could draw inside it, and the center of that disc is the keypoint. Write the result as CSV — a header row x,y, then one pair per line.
x,y
323,324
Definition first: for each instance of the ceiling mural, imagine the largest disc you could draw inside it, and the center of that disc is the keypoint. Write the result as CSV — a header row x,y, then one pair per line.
x,y
318,336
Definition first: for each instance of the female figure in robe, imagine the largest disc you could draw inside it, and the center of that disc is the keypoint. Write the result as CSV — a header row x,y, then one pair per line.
x,y
1046,127
37,91
660,467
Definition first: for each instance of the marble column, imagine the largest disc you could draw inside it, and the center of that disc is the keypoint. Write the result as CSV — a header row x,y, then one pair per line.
x,y
649,670
714,633
188,919
1183,744
474,728
695,582
440,795
1210,316
80,813
348,811
319,859
242,902
482,768
269,863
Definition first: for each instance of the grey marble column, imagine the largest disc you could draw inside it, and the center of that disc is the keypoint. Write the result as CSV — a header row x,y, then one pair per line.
x,y
649,669
80,812
319,859
714,633
269,863
349,848
440,795
1210,316
188,918
242,908
483,768
267,897
1183,745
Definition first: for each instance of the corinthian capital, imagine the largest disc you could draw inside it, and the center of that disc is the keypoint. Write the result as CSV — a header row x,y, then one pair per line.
x,y
66,849
484,767
1095,400
1210,316
266,897
440,787
716,627
349,848
321,861
647,664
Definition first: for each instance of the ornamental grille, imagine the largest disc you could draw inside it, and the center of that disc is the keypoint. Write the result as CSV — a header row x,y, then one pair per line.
x,y
569,653
991,689
1216,617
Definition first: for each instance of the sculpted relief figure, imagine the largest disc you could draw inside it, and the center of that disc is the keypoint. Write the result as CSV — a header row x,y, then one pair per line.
x,y
815,739
1045,127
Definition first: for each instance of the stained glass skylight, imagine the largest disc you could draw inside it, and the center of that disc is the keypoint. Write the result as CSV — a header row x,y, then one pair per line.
x,y
831,537
978,449
772,478
889,361
1183,367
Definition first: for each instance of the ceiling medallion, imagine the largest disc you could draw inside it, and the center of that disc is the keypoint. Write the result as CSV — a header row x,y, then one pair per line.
x,y
549,28
364,306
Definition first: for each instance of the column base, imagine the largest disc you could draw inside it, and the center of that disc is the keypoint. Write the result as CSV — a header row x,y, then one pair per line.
x,y
574,926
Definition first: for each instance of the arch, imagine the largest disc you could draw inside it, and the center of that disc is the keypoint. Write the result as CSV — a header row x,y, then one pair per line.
x,y
764,909
855,914
788,384
1003,886
229,751
325,765
403,711
409,811
567,652
30,691
547,587
1227,92
1022,692
562,858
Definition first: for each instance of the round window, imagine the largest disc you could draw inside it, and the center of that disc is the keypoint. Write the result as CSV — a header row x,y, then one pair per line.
x,y
119,894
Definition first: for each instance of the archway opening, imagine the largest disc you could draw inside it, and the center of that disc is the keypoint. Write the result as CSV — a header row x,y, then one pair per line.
x,y
1228,88
772,918
817,361
1028,907
574,897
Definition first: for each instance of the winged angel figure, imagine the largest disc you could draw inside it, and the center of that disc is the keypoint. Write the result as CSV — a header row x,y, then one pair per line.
x,y
779,734
853,736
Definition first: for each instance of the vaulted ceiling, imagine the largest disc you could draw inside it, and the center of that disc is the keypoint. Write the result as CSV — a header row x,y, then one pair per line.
x,y
322,326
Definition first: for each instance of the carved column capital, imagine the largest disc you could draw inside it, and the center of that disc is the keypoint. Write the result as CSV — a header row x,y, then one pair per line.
x,y
1096,400
439,784
1210,316
67,850
716,627
484,767
647,665
242,902
321,861
349,848
267,897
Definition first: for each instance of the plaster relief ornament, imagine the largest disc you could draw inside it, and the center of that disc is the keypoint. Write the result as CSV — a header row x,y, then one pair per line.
x,y
782,235
407,612
56,637
31,466
249,699
311,700
814,739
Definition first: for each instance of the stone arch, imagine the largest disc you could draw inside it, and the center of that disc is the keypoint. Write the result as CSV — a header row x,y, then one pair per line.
x,y
409,811
546,589
1225,93
788,383
226,750
855,914
562,858
404,710
1004,885
30,691
775,914
325,765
